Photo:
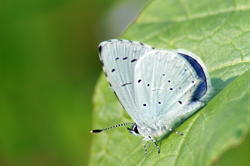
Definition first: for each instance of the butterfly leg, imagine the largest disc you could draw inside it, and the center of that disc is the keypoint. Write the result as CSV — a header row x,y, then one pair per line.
x,y
154,142
148,144
144,145
171,130
174,131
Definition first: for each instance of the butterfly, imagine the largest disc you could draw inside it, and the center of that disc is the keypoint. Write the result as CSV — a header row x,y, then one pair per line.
x,y
158,88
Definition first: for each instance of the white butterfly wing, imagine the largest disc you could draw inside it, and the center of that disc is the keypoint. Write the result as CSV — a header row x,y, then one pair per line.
x,y
119,58
165,83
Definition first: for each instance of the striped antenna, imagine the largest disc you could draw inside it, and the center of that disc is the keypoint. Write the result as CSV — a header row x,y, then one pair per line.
x,y
100,130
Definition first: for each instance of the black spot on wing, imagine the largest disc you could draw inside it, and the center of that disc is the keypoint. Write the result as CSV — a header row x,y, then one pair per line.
x,y
133,60
117,58
102,63
139,80
100,50
125,58
112,70
144,105
142,44
180,102
110,84
100,54
126,84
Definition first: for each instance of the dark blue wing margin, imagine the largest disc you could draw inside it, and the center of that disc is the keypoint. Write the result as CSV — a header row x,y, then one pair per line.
x,y
202,88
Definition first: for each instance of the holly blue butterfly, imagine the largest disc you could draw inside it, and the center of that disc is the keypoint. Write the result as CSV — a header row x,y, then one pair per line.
x,y
159,89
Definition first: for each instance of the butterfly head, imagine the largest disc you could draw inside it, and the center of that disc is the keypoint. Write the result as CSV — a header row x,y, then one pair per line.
x,y
134,129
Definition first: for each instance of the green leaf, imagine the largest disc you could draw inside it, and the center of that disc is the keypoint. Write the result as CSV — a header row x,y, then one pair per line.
x,y
217,31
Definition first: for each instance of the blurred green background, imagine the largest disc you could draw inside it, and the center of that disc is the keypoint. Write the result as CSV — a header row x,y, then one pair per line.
x,y
48,69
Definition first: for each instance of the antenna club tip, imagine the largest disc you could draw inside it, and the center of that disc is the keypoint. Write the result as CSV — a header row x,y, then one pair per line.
x,y
96,131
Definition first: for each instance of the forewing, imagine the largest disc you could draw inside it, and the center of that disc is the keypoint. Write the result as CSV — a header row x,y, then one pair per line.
x,y
164,86
118,58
